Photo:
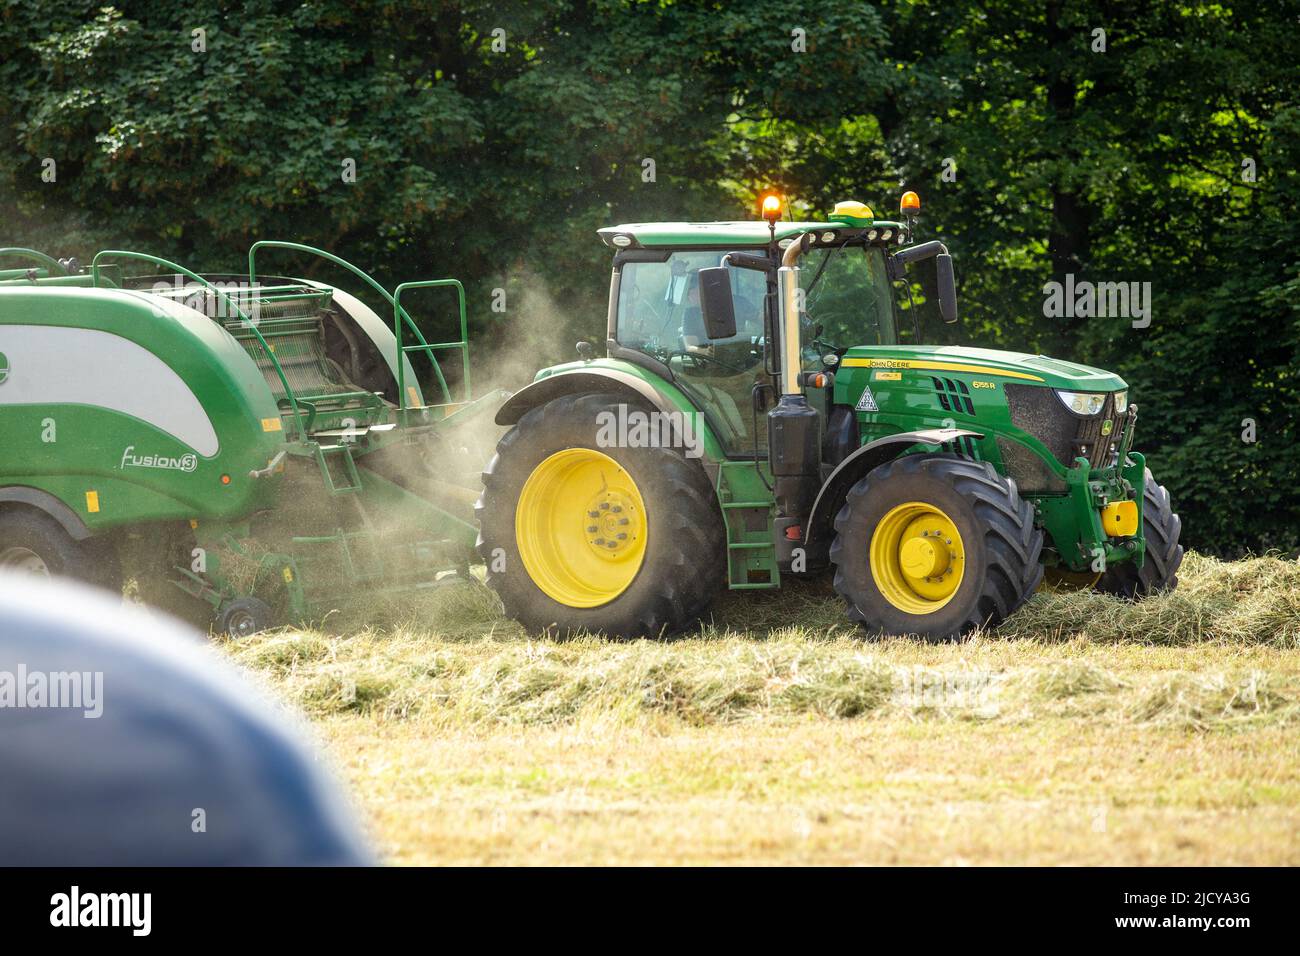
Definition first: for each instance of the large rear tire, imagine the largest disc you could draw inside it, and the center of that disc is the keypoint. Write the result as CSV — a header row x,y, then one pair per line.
x,y
935,545
627,541
1161,527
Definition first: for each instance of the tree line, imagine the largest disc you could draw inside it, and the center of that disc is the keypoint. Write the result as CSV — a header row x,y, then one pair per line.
x,y
1153,145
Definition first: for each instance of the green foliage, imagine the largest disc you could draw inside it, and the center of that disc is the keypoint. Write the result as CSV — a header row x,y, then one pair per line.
x,y
498,165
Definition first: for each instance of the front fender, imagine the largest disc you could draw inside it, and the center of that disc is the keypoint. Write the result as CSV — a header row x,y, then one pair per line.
x,y
853,468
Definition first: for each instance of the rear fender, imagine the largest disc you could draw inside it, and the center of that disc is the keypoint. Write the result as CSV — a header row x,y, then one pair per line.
x,y
595,379
50,505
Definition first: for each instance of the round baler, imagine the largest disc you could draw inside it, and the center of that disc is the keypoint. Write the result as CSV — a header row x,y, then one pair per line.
x,y
249,448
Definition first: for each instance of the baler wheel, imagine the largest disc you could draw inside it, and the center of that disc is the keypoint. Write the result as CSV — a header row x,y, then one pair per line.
x,y
244,617
34,543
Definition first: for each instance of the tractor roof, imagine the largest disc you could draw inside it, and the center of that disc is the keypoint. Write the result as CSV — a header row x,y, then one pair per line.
x,y
737,233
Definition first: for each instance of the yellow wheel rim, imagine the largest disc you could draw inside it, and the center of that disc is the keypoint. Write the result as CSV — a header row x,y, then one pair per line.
x,y
580,526
917,558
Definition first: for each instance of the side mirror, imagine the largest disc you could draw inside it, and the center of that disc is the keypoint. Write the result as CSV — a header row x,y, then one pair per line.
x,y
716,307
947,287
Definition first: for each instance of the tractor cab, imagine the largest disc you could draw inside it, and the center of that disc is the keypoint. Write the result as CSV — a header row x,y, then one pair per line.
x,y
845,295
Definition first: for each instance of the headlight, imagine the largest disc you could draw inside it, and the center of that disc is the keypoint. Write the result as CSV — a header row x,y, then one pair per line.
x,y
1082,403
1121,402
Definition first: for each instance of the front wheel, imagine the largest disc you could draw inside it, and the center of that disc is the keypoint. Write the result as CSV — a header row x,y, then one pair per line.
x,y
1161,528
935,545
579,535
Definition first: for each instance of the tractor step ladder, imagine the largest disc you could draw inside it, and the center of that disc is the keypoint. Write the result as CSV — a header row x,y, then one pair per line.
x,y
751,554
342,455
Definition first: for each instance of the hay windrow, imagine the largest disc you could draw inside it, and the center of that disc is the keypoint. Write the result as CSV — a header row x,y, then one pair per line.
x,y
448,656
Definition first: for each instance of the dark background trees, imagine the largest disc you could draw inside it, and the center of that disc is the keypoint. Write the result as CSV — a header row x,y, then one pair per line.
x,y
1169,157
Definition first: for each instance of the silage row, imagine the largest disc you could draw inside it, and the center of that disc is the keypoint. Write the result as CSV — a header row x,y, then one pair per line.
x,y
489,684
1254,601
480,669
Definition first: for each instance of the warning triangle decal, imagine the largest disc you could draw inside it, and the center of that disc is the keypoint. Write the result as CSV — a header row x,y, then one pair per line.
x,y
867,403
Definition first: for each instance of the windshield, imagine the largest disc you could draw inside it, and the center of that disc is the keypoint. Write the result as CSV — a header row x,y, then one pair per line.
x,y
847,298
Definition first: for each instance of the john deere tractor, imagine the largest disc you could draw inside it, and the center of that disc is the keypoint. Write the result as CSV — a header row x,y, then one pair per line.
x,y
769,405
248,448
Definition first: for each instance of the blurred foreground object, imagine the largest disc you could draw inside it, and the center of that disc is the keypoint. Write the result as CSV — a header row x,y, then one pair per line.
x,y
125,742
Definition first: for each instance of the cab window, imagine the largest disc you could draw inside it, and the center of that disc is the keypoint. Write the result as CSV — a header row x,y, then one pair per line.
x,y
659,314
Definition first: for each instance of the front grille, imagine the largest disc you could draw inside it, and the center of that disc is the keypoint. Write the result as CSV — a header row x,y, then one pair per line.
x,y
1031,474
1039,412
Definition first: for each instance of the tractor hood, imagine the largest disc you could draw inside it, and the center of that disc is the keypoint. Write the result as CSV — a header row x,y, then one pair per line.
x,y
1002,366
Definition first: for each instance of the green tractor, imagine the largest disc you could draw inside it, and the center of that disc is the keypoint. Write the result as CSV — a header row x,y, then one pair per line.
x,y
767,407
248,448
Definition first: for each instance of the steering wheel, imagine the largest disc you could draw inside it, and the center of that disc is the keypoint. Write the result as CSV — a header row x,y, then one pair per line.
x,y
698,357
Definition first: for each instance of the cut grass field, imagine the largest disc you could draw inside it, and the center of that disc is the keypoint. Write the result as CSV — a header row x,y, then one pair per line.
x,y
1084,731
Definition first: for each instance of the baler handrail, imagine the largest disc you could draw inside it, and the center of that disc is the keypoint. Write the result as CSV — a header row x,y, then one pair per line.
x,y
230,303
424,346
19,252
365,277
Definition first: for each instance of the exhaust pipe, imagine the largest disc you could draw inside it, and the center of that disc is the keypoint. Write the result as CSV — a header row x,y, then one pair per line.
x,y
787,280
793,426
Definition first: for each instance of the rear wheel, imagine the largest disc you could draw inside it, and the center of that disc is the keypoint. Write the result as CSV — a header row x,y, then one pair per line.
x,y
579,536
1161,527
935,546
31,542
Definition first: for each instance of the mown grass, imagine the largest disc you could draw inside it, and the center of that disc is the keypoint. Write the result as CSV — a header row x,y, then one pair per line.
x,y
592,750
449,656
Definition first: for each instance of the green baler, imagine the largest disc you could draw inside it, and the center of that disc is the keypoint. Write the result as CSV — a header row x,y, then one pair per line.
x,y
246,447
